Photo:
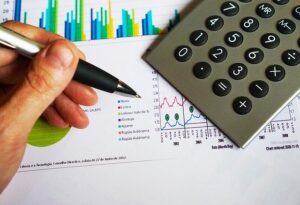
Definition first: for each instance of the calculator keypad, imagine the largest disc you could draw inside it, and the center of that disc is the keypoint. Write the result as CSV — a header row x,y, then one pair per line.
x,y
243,53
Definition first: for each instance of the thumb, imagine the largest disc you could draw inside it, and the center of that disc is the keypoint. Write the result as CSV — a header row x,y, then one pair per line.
x,y
48,75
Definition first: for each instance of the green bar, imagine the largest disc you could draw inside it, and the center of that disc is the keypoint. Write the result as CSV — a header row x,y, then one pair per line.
x,y
105,25
81,19
56,17
76,11
129,25
25,17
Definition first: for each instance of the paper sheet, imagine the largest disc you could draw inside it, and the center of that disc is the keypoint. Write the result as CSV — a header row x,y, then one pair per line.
x,y
146,151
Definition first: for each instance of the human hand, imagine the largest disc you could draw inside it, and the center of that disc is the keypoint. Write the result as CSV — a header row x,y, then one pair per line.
x,y
40,87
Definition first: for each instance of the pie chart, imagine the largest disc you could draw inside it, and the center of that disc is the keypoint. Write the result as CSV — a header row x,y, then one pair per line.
x,y
44,135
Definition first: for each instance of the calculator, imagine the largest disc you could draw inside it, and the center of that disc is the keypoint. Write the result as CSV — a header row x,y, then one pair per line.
x,y
236,61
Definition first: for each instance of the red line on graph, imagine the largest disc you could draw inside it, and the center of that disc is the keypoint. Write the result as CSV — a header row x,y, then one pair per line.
x,y
175,101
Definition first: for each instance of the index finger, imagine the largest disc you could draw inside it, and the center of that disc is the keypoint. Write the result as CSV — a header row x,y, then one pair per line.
x,y
37,34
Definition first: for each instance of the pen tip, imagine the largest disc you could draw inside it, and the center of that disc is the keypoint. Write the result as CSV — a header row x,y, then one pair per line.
x,y
138,96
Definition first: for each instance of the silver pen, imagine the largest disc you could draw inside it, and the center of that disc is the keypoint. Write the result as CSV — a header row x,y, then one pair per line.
x,y
86,73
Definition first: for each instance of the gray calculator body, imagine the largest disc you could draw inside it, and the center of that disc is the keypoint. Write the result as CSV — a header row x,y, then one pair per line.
x,y
240,128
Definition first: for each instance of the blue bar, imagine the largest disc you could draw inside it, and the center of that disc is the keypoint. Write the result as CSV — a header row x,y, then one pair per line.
x,y
95,29
120,31
92,24
66,30
143,27
67,27
146,25
17,15
42,21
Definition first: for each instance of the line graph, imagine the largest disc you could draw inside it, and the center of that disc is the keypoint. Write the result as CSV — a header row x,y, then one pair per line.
x,y
176,111
180,122
166,102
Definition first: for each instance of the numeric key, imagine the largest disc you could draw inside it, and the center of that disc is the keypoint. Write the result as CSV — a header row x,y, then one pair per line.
x,y
238,71
234,39
254,55
230,8
198,38
183,53
270,40
218,54
214,23
249,24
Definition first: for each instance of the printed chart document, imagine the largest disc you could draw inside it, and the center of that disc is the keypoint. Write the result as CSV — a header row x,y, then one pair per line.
x,y
154,150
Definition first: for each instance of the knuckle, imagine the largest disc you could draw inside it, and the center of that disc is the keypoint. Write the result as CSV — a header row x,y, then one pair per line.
x,y
39,82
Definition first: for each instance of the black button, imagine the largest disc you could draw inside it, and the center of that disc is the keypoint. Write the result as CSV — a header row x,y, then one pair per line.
x,y
275,73
214,23
259,88
242,105
218,54
281,2
198,38
254,55
296,12
286,26
222,87
270,40
291,57
238,71
265,10
202,70
230,8
249,24
245,1
183,53
234,39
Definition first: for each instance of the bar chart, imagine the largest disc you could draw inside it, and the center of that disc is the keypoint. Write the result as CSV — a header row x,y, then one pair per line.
x,y
80,20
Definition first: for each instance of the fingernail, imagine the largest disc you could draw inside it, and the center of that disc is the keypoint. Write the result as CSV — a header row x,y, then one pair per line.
x,y
59,56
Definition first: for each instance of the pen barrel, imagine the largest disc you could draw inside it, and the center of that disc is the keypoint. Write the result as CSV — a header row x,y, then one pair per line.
x,y
93,76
